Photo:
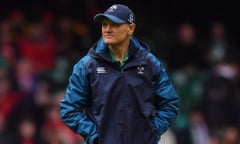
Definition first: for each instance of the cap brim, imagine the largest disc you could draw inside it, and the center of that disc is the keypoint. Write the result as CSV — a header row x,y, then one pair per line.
x,y
100,16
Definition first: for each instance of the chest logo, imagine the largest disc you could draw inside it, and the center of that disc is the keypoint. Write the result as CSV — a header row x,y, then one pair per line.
x,y
101,70
140,69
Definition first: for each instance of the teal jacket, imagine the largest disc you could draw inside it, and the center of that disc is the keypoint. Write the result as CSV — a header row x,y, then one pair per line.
x,y
112,104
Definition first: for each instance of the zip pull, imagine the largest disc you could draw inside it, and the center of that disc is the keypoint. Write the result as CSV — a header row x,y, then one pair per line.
x,y
122,71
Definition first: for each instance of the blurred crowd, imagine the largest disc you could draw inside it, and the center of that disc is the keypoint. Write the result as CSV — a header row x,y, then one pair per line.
x,y
205,71
37,53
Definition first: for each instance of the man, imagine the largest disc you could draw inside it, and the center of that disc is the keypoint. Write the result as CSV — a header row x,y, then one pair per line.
x,y
119,93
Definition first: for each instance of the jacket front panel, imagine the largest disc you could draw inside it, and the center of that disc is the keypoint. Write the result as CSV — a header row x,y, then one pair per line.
x,y
122,101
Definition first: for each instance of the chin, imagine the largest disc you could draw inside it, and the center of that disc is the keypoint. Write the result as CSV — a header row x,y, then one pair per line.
x,y
108,42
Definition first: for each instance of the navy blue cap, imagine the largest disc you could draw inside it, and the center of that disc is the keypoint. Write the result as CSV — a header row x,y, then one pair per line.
x,y
117,13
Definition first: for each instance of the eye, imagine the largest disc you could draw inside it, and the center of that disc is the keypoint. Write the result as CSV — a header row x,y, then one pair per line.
x,y
104,24
115,25
111,24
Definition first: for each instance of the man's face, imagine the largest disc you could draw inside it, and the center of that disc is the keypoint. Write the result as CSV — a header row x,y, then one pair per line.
x,y
115,34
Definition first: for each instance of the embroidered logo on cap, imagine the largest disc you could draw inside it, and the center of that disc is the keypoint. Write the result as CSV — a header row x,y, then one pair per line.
x,y
112,8
131,18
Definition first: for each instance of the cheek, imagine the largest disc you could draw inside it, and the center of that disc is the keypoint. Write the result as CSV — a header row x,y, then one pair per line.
x,y
122,36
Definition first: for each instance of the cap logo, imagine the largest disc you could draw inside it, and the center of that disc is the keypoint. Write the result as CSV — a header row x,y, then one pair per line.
x,y
131,18
112,8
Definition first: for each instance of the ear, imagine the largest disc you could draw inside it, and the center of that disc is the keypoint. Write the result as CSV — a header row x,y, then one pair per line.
x,y
131,28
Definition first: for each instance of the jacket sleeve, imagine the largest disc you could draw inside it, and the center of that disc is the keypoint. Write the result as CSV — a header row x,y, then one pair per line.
x,y
73,104
166,102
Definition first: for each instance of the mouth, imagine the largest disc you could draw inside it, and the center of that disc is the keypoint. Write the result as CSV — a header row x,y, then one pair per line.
x,y
108,36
